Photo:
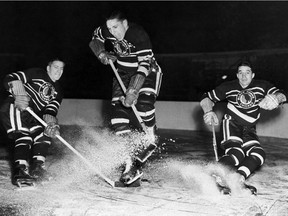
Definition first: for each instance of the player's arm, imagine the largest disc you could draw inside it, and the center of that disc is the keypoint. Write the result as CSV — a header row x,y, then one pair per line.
x,y
98,48
209,116
14,83
50,115
272,101
144,56
273,98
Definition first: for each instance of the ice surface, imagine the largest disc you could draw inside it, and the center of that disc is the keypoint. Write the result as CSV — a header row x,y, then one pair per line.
x,y
177,179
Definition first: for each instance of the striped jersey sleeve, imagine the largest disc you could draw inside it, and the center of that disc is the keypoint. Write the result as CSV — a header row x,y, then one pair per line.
x,y
46,96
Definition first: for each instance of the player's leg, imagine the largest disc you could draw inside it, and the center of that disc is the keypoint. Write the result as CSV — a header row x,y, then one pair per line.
x,y
255,157
231,143
255,154
120,115
145,106
146,109
233,153
41,144
147,98
121,126
120,119
16,126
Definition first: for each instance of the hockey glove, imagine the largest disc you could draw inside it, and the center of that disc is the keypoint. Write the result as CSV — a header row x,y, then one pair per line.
x,y
211,118
131,98
272,101
206,105
134,87
17,88
52,129
104,57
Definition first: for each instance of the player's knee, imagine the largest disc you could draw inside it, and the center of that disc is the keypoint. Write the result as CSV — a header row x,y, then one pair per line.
x,y
234,154
146,102
258,154
237,154
227,160
23,141
121,129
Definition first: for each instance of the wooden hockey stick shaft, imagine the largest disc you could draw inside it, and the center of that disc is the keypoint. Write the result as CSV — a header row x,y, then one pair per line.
x,y
214,143
109,181
124,90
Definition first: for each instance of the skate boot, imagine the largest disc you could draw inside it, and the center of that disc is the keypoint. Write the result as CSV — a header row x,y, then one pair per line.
x,y
131,177
21,177
39,173
246,186
222,185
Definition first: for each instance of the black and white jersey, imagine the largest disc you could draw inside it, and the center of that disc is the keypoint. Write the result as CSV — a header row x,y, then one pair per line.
x,y
134,52
242,102
46,95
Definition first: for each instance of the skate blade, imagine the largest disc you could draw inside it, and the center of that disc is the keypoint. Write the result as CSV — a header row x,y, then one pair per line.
x,y
123,185
134,179
21,186
251,188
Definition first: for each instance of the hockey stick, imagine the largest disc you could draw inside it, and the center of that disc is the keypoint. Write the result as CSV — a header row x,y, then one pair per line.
x,y
214,142
110,182
124,90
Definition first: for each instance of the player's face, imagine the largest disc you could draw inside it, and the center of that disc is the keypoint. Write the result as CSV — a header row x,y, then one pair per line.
x,y
55,70
117,28
245,76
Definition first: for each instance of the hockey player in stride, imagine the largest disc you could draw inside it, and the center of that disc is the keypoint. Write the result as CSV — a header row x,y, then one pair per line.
x,y
245,96
141,75
38,89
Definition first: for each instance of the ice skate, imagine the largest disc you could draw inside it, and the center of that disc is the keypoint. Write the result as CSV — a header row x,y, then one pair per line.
x,y
246,186
252,189
131,176
222,185
39,173
21,177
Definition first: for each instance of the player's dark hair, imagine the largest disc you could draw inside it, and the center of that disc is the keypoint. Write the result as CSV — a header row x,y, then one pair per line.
x,y
55,59
245,63
117,15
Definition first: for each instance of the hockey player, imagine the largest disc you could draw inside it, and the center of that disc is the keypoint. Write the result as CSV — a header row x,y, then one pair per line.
x,y
38,89
245,96
140,74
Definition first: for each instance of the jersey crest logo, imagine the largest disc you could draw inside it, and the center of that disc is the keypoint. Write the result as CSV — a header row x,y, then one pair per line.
x,y
122,48
246,99
47,92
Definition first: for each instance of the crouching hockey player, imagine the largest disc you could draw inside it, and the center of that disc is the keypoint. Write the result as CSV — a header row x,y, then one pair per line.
x,y
38,89
241,144
141,75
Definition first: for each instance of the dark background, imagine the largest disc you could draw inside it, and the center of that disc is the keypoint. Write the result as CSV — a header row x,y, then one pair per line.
x,y
196,43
